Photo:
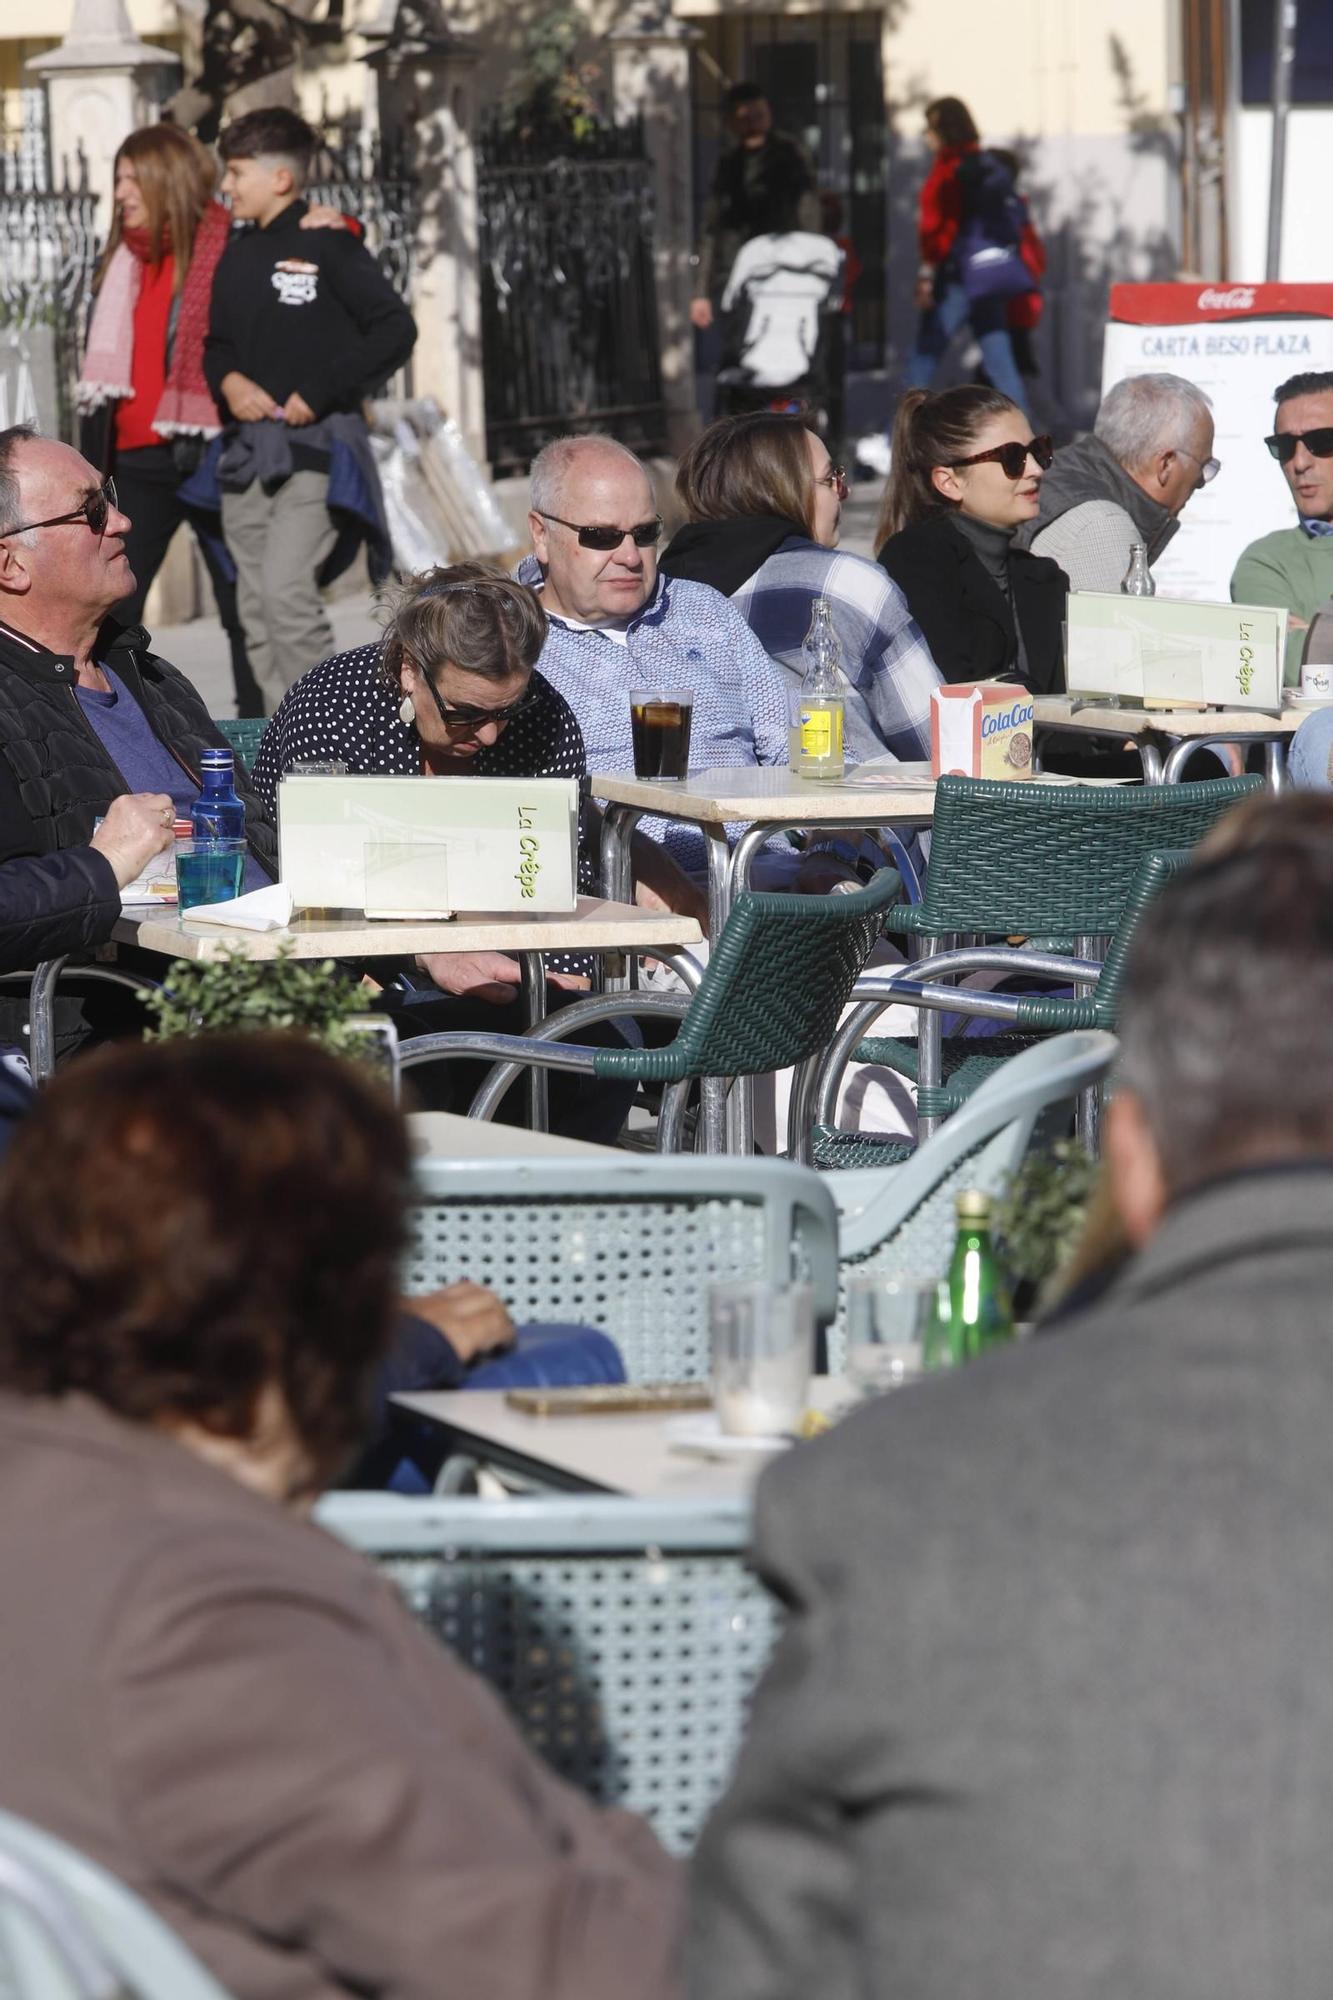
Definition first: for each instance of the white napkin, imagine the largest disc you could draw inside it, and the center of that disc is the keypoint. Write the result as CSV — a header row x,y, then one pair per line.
x,y
268,909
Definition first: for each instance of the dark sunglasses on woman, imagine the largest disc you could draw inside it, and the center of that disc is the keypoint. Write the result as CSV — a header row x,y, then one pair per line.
x,y
643,535
464,716
93,508
1283,444
1012,459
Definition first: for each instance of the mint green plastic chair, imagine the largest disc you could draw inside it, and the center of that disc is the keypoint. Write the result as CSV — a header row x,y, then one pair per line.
x,y
244,733
70,1930
771,996
624,1635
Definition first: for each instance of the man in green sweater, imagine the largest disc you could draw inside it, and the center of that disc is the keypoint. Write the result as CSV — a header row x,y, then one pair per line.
x,y
1294,566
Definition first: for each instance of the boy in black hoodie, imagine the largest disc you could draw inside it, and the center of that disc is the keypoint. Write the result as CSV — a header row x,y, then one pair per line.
x,y
303,326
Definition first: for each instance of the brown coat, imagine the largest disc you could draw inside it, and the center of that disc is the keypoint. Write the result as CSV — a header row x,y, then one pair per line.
x,y
229,1709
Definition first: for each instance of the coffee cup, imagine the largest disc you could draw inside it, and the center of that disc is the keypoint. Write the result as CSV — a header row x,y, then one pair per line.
x,y
1316,682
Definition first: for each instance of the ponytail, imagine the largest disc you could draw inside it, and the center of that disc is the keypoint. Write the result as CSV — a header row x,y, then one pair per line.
x,y
929,431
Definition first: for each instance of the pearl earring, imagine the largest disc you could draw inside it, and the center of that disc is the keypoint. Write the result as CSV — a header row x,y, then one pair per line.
x,y
406,712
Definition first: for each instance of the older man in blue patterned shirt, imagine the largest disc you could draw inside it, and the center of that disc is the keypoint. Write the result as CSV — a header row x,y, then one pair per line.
x,y
616,624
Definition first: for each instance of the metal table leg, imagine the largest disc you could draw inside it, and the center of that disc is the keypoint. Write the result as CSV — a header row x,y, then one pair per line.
x,y
1151,758
534,1007
618,824
1275,764
42,1019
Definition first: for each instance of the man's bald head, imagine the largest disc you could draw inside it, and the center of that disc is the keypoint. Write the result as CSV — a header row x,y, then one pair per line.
x,y
59,576
592,482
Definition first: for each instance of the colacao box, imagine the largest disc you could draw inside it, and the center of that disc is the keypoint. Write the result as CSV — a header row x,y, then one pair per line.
x,y
1173,649
981,729
428,847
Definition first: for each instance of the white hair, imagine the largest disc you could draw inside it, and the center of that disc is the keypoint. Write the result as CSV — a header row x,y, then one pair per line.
x,y
11,496
555,462
1148,414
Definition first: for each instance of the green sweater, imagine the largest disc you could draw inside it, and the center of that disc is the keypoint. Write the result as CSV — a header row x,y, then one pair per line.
x,y
1291,568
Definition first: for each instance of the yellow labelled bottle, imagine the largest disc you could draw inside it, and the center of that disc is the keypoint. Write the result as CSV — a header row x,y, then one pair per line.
x,y
972,1308
823,702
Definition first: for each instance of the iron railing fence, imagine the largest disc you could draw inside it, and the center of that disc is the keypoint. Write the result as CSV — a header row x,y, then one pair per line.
x,y
568,295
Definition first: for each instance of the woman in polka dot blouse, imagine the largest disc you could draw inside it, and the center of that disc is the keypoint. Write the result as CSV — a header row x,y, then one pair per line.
x,y
449,691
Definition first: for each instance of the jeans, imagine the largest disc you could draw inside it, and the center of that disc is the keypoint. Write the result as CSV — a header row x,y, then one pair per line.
x,y
951,310
147,487
1310,754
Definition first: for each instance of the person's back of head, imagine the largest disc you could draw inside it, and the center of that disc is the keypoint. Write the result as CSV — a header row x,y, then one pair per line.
x,y
1224,1063
191,1230
750,465
928,431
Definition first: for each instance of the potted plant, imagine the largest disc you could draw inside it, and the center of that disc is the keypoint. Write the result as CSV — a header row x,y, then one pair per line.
x,y
234,992
1041,1217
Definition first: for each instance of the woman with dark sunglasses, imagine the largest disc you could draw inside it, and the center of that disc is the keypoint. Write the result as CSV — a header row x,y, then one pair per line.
x,y
450,691
965,476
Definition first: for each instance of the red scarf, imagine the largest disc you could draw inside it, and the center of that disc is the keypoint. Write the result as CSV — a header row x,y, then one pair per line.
x,y
113,368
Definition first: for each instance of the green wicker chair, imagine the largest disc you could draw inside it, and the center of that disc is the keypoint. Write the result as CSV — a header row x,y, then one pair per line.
x,y
1048,863
775,986
244,733
813,1139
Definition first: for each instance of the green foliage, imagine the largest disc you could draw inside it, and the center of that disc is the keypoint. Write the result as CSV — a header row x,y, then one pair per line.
x,y
552,98
234,993
1041,1217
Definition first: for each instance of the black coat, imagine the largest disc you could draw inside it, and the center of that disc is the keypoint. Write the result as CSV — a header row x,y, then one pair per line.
x,y
968,625
55,780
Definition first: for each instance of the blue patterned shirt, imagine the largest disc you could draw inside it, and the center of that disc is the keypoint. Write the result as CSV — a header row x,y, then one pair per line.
x,y
884,651
686,635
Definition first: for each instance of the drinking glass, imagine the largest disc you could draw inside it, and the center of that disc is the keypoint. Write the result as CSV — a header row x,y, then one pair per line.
x,y
763,1351
886,1328
208,871
660,726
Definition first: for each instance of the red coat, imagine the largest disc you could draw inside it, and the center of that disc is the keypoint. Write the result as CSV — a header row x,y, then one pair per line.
x,y
1026,310
941,205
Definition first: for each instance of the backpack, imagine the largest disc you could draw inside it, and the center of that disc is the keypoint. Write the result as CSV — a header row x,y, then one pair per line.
x,y
987,253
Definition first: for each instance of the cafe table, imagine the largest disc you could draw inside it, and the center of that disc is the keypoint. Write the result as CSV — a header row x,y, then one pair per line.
x,y
1166,738
635,1453
766,800
595,926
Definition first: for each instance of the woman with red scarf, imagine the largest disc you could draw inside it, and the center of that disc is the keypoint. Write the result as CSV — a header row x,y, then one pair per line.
x,y
147,409
957,193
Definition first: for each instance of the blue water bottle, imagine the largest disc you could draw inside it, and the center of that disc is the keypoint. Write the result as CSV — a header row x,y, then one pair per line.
x,y
217,813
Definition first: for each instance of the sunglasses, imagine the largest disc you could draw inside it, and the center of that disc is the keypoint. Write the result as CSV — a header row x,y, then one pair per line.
x,y
464,716
1208,467
93,509
1318,443
1012,459
836,477
643,536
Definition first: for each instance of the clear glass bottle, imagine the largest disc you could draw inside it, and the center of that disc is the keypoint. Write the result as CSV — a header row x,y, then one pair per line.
x,y
217,813
1137,580
972,1305
823,699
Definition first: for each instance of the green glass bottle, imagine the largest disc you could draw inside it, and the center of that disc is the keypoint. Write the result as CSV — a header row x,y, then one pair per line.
x,y
972,1306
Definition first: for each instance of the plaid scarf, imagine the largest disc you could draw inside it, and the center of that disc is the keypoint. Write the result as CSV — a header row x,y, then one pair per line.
x,y
187,403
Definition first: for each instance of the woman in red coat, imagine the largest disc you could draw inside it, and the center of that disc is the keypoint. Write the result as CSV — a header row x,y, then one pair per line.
x,y
147,409
957,193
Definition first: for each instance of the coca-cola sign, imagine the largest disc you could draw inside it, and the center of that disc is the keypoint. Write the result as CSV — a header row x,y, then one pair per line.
x,y
1237,298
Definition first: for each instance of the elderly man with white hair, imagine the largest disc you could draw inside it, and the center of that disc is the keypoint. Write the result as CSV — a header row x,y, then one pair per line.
x,y
617,624
1151,447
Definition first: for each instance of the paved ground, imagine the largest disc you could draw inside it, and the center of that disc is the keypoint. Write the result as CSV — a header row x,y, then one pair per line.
x,y
200,648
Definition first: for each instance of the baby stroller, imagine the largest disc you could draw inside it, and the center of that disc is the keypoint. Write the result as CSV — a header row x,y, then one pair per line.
x,y
781,302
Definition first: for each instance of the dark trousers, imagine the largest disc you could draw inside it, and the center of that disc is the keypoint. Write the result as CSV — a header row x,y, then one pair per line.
x,y
580,1106
148,485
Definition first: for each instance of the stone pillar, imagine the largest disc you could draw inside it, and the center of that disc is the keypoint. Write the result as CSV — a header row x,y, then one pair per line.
x,y
101,83
427,92
650,76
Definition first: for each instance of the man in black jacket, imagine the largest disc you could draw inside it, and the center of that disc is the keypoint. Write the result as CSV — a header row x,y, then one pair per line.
x,y
301,330
73,682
